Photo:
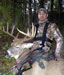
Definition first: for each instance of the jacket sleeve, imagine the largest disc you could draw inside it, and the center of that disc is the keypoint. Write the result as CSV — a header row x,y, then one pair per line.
x,y
58,38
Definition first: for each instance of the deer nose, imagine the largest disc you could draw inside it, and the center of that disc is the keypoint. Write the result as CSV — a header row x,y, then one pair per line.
x,y
5,53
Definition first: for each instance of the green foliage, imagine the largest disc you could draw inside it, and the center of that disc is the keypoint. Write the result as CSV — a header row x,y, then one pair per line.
x,y
1,8
5,9
6,46
21,20
6,64
6,74
56,4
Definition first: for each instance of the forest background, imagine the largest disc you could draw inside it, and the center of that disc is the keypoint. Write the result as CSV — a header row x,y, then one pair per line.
x,y
21,14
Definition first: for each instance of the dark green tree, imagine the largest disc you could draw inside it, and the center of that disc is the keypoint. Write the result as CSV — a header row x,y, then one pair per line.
x,y
30,12
52,3
60,8
41,2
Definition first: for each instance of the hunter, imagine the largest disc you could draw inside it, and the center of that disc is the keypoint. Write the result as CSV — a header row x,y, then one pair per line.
x,y
46,32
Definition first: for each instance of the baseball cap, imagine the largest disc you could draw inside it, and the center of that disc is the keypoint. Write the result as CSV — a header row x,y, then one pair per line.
x,y
44,10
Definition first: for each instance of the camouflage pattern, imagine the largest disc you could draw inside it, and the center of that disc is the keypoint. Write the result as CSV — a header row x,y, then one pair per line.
x,y
52,33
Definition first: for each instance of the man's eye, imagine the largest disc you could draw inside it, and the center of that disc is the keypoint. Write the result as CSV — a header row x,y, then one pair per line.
x,y
41,14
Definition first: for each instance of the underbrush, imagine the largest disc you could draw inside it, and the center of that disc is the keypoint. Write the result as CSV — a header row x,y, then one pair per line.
x,y
5,63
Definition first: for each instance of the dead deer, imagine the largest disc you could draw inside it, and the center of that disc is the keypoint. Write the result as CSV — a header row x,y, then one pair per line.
x,y
18,44
20,50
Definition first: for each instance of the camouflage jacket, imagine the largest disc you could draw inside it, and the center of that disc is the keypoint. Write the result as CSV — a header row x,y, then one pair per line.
x,y
52,33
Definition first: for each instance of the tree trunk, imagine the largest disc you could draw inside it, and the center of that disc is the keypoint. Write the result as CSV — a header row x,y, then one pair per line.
x,y
60,8
52,2
14,7
25,13
30,13
34,14
41,2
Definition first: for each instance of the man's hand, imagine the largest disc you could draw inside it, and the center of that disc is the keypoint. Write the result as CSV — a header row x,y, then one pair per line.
x,y
57,54
46,48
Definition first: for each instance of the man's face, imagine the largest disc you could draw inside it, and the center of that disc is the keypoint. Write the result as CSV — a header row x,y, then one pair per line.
x,y
42,16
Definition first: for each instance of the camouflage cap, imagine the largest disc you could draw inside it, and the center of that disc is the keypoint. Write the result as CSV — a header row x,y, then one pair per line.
x,y
44,10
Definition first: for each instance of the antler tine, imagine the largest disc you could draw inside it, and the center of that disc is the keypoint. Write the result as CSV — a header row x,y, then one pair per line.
x,y
32,29
12,29
7,31
23,33
28,31
17,35
28,34
7,27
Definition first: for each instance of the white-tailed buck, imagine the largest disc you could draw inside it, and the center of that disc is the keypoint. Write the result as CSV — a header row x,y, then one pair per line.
x,y
18,45
20,49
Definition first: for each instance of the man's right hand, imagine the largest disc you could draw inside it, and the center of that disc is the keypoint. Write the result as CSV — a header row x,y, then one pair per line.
x,y
46,48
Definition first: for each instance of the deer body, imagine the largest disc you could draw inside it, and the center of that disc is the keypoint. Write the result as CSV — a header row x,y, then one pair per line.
x,y
40,65
50,68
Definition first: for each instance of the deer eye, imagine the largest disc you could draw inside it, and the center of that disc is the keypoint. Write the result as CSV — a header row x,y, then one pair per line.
x,y
17,46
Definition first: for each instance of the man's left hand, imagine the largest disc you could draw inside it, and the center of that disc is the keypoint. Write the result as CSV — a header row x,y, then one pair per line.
x,y
57,54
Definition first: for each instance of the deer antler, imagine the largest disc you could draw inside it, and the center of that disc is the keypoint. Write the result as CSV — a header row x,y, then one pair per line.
x,y
28,34
7,31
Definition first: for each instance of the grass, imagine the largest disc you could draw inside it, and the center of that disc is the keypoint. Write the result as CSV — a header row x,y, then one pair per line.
x,y
6,63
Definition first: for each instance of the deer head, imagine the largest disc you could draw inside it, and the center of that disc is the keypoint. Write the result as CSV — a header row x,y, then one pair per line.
x,y
18,45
